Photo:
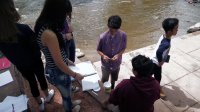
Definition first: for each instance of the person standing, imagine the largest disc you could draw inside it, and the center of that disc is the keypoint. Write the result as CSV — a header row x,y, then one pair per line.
x,y
68,34
161,52
18,45
70,50
111,46
51,41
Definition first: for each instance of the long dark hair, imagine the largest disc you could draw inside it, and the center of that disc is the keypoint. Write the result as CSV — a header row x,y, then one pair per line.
x,y
53,17
69,11
8,17
54,14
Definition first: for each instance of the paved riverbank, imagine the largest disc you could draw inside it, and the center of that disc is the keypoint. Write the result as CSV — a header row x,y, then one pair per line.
x,y
180,78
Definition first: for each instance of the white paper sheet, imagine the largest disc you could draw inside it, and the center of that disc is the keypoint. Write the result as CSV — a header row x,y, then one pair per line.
x,y
90,82
19,104
5,78
84,68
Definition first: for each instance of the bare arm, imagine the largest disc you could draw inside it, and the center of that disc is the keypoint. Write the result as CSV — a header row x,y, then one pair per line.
x,y
117,55
106,58
100,53
120,53
50,40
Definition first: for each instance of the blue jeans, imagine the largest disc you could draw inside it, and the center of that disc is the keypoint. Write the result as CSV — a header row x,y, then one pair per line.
x,y
63,82
71,49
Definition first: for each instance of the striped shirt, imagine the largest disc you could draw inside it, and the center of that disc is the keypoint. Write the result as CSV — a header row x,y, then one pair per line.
x,y
49,59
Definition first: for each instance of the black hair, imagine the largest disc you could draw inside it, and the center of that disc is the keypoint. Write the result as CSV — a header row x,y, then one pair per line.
x,y
54,14
169,24
142,65
69,11
114,22
53,17
8,17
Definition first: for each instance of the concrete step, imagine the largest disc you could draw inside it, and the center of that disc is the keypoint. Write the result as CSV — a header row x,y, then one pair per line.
x,y
55,104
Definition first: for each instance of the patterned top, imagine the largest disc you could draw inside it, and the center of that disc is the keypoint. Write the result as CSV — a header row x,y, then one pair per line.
x,y
111,46
49,59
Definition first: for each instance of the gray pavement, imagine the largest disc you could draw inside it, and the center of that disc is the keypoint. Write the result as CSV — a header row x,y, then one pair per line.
x,y
180,77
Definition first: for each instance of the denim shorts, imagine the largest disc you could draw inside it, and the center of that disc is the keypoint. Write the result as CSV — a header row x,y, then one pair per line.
x,y
63,83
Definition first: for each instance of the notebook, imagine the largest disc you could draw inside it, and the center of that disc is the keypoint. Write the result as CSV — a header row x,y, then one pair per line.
x,y
84,68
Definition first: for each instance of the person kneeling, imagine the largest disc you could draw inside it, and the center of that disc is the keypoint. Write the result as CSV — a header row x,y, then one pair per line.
x,y
138,93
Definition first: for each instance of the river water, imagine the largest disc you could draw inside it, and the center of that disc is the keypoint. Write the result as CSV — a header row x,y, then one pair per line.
x,y
141,19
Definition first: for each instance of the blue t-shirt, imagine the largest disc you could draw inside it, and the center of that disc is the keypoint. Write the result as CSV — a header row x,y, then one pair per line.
x,y
162,50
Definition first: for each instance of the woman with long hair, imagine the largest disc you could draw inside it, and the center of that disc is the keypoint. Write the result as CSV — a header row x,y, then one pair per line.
x,y
51,41
18,45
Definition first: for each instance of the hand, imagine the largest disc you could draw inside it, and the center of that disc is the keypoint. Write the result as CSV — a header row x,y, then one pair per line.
x,y
70,62
78,76
161,63
115,57
105,104
68,36
106,58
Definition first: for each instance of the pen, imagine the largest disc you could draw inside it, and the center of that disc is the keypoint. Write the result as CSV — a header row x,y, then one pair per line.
x,y
13,108
89,74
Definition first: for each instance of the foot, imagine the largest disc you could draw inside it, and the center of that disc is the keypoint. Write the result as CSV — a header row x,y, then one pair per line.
x,y
77,108
162,94
79,54
75,89
76,102
50,96
41,105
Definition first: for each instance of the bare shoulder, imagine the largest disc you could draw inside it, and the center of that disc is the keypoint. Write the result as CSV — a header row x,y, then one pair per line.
x,y
48,36
48,33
